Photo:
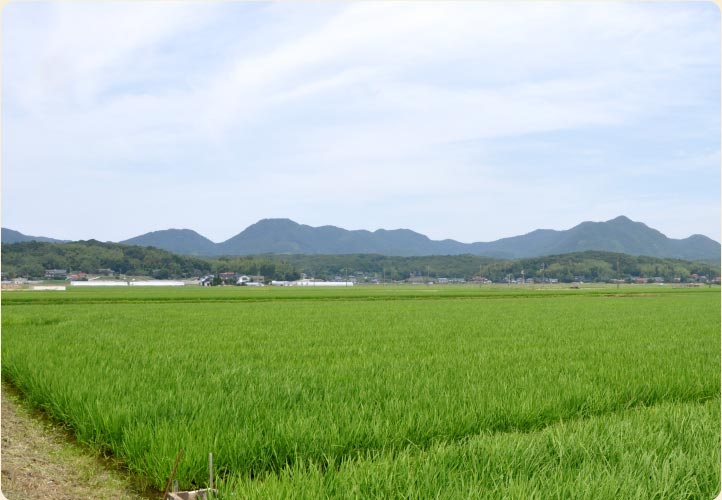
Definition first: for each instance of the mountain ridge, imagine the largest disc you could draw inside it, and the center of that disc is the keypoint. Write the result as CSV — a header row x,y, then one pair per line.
x,y
285,236
12,236
183,241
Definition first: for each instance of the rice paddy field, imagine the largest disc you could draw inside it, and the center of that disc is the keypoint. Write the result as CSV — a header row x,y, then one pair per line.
x,y
382,392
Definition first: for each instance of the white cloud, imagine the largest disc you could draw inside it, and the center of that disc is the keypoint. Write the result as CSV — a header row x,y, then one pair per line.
x,y
376,97
85,49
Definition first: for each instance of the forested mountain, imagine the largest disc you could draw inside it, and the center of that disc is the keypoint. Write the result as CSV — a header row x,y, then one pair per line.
x,y
620,235
284,236
183,241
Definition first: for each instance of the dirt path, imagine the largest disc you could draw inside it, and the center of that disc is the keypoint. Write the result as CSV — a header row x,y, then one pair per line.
x,y
39,462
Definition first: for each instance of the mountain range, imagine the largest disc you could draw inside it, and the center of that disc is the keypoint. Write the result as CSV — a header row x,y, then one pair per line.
x,y
284,236
12,236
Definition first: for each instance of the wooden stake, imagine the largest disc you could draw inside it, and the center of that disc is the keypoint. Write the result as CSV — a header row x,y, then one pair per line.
x,y
172,474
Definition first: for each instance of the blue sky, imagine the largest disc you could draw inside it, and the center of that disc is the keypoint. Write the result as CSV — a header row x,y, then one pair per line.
x,y
470,120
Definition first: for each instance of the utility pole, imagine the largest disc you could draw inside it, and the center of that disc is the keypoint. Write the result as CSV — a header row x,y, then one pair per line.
x,y
542,270
709,275
618,272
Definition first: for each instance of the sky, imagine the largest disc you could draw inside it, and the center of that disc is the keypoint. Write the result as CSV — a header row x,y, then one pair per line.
x,y
465,120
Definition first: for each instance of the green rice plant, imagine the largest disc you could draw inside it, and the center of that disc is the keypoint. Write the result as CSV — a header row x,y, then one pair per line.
x,y
667,451
279,380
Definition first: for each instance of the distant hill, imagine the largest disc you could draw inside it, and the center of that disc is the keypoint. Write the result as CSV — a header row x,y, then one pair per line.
x,y
284,236
620,235
182,241
11,236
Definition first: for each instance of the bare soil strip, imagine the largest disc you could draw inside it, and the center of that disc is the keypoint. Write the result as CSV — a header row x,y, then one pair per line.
x,y
39,461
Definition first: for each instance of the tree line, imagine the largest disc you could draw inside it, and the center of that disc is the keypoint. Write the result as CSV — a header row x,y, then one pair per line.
x,y
31,259
588,265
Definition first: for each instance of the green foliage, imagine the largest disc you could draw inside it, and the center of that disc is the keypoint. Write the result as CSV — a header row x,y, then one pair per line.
x,y
598,266
383,392
594,266
30,259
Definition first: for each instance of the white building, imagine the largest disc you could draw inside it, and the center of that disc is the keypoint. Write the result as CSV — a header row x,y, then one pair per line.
x,y
310,282
127,283
157,283
98,283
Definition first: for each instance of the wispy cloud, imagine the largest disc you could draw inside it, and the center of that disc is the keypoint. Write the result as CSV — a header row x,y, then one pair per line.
x,y
377,107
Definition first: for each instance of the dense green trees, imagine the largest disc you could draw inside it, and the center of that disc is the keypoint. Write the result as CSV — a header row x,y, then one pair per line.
x,y
590,266
30,259
599,266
